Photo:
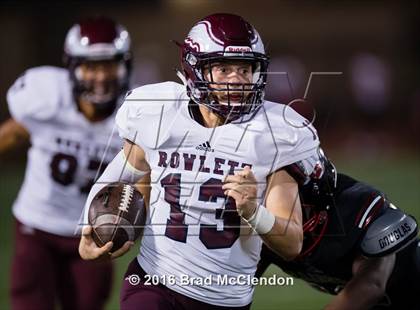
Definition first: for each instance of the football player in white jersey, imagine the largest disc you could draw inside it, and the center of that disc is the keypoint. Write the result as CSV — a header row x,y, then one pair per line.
x,y
214,151
68,116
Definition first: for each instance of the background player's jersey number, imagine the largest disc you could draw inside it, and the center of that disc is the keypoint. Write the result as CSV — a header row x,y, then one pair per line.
x,y
210,190
64,167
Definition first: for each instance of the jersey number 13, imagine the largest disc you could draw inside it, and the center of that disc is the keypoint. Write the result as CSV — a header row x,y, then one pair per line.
x,y
210,190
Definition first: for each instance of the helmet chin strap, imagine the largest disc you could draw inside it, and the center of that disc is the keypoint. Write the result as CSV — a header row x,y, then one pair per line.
x,y
105,110
101,110
97,100
103,105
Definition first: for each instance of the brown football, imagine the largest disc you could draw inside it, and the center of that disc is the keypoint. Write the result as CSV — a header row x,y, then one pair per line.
x,y
117,214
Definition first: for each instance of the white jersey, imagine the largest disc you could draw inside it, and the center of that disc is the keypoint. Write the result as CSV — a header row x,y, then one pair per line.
x,y
194,233
66,152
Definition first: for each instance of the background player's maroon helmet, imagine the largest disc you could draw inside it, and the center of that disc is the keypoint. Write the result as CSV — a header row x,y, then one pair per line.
x,y
93,40
222,37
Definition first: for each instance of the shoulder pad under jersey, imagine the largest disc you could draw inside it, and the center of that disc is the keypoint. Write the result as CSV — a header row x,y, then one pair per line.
x,y
37,94
389,233
295,138
148,111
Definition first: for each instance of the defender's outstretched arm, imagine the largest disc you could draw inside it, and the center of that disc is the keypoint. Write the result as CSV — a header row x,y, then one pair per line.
x,y
367,286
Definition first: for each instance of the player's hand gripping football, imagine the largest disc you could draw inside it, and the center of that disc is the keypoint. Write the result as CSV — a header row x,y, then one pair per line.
x,y
88,249
242,186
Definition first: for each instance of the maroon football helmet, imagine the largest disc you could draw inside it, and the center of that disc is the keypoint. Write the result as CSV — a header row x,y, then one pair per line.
x,y
96,40
220,38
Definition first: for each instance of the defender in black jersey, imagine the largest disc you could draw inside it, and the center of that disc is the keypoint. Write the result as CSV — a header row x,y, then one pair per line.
x,y
357,245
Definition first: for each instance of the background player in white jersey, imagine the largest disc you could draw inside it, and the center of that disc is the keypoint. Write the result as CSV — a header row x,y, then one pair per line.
x,y
68,116
214,152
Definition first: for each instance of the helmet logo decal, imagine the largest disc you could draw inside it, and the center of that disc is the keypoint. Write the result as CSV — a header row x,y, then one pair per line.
x,y
194,45
254,37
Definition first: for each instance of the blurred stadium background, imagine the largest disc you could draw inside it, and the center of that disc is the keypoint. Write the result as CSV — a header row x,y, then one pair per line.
x,y
368,117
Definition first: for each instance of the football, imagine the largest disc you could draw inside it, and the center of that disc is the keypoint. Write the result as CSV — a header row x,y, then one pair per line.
x,y
117,214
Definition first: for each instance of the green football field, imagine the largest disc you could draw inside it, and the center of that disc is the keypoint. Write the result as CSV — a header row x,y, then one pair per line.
x,y
398,177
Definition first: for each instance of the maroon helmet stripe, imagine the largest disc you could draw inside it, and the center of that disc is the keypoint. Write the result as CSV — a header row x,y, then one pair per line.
x,y
229,30
99,30
209,32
